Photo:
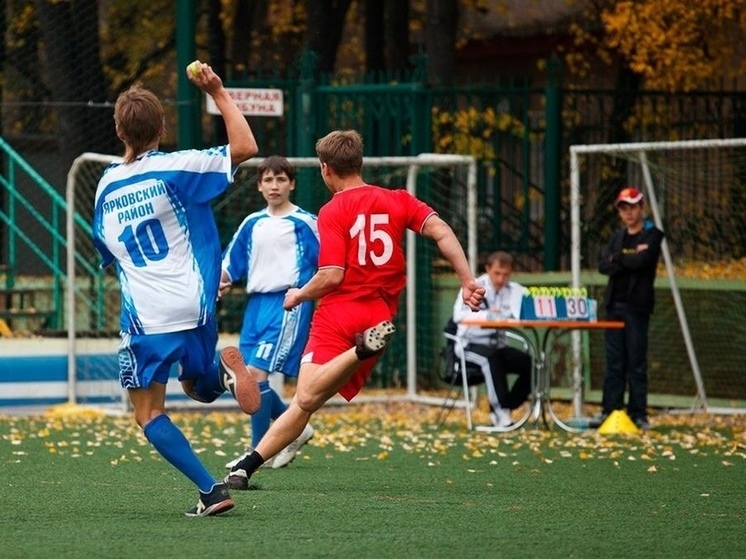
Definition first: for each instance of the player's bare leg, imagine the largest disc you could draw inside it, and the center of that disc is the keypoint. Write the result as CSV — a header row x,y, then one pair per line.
x,y
317,383
147,403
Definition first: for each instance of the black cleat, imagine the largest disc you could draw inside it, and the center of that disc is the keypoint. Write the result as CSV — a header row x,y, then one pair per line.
x,y
217,501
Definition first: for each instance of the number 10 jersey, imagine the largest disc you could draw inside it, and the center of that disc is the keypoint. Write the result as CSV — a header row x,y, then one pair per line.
x,y
153,218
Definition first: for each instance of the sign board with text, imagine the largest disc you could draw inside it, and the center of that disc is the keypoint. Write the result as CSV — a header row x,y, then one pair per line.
x,y
252,102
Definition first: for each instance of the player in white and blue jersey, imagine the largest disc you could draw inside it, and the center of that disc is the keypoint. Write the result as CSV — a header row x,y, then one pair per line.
x,y
275,249
152,218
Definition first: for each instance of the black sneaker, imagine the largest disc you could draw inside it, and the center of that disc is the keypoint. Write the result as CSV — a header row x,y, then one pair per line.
x,y
237,379
217,501
597,420
642,423
374,339
238,478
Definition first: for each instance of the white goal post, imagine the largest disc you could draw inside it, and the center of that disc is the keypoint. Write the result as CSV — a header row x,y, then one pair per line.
x,y
81,184
640,154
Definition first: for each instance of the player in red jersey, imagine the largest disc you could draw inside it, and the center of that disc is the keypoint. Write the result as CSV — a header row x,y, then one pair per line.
x,y
361,273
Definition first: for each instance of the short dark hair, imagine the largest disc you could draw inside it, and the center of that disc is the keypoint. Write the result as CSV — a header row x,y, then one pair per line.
x,y
278,165
501,257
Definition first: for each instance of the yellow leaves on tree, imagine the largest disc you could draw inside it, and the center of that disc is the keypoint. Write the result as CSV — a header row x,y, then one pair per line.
x,y
678,45
471,131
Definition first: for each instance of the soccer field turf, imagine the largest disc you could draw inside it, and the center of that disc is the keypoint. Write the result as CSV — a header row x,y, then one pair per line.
x,y
379,481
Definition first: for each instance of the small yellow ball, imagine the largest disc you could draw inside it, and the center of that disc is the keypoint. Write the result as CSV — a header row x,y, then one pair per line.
x,y
195,68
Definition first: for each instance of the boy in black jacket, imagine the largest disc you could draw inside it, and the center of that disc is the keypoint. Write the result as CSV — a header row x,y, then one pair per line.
x,y
630,260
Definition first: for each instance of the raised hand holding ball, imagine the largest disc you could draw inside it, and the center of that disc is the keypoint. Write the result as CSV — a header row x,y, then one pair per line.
x,y
202,75
195,68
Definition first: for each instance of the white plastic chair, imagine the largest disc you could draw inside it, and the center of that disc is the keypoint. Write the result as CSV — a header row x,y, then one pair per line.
x,y
460,361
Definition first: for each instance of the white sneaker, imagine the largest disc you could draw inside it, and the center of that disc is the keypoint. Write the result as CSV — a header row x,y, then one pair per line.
x,y
501,417
287,454
374,339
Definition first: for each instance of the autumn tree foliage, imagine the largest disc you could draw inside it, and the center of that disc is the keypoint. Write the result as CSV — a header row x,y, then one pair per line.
x,y
672,45
679,45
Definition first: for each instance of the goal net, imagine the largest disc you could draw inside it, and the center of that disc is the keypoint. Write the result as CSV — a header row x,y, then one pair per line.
x,y
446,182
695,192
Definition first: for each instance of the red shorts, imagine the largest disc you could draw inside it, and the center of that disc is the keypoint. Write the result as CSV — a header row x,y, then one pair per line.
x,y
333,330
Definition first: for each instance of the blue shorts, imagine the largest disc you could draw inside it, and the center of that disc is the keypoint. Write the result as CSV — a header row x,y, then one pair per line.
x,y
147,358
272,339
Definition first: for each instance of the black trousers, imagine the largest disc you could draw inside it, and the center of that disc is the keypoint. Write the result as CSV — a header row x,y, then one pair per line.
x,y
627,363
502,362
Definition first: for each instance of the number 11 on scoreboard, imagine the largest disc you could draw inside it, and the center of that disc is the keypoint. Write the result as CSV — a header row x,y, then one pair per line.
x,y
545,306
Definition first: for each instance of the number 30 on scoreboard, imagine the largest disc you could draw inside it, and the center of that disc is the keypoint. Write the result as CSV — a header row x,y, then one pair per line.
x,y
577,307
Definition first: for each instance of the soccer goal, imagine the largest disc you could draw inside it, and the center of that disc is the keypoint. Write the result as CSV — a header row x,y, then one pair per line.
x,y
696,193
447,182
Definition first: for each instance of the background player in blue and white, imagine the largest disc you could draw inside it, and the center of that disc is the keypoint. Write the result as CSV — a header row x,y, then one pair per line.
x,y
274,249
152,218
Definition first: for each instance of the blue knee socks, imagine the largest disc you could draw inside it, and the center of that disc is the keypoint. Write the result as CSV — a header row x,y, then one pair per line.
x,y
271,408
208,386
170,442
278,406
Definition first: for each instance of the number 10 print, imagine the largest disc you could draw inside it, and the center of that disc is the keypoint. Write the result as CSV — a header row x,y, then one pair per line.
x,y
146,242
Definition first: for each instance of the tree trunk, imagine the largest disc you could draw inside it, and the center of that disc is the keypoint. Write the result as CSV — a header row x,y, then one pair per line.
x,y
386,35
397,35
375,59
440,40
248,20
69,31
626,94
326,20
217,59
216,47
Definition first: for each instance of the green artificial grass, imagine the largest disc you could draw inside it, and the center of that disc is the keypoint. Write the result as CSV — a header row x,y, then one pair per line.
x,y
378,481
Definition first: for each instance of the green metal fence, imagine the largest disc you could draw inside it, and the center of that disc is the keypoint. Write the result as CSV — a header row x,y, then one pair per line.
x,y
520,133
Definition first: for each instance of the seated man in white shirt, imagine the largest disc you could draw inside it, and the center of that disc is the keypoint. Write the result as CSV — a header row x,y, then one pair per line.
x,y
489,347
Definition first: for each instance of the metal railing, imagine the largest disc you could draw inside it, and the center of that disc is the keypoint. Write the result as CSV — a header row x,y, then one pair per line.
x,y
50,226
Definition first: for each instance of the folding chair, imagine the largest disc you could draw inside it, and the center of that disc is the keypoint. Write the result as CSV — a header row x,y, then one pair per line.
x,y
457,368
471,373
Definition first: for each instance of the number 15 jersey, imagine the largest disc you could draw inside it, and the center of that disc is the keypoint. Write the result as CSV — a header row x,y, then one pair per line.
x,y
153,218
362,231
